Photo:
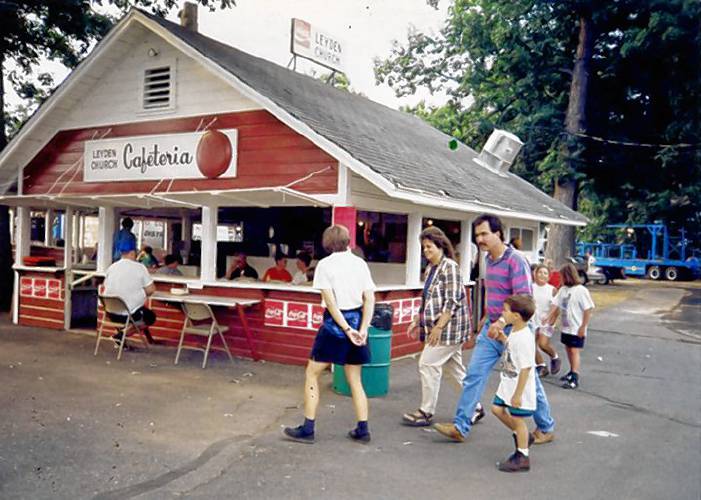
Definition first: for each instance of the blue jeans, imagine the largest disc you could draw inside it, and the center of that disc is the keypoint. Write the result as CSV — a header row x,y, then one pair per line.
x,y
484,356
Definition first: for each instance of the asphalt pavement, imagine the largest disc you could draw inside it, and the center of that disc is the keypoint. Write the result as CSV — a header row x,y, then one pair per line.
x,y
77,426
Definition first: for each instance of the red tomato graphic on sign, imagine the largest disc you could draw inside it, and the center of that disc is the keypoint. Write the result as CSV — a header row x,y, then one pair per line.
x,y
213,154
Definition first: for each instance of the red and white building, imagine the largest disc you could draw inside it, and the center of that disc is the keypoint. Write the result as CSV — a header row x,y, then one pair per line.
x,y
169,127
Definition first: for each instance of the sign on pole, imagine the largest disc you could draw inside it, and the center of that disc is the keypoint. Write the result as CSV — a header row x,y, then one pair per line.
x,y
318,46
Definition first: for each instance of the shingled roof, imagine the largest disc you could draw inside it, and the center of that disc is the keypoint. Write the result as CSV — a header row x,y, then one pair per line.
x,y
400,147
401,154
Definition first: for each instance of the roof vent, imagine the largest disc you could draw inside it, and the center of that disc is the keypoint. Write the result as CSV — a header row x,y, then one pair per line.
x,y
499,152
158,88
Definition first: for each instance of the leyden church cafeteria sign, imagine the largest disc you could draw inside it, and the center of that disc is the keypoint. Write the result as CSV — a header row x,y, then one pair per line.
x,y
193,155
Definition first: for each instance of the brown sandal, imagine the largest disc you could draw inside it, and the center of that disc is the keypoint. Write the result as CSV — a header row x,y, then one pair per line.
x,y
417,419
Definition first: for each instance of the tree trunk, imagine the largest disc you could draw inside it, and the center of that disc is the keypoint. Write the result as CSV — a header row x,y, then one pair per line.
x,y
6,274
561,244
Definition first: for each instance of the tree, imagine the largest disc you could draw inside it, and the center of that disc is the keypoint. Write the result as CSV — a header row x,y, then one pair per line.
x,y
59,30
515,65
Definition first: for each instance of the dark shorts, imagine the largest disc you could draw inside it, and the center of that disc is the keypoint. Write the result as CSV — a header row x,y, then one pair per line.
x,y
572,340
514,412
328,348
142,314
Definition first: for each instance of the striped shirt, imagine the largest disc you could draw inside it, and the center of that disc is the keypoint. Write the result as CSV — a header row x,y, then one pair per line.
x,y
510,274
446,293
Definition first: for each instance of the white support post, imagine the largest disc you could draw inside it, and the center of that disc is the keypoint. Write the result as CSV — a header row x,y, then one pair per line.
x,y
22,246
24,234
208,257
167,237
48,227
81,235
69,230
12,226
107,217
343,188
413,249
507,231
68,252
186,236
465,248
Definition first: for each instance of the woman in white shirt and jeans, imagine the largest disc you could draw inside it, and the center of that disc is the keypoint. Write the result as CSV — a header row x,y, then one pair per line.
x,y
348,293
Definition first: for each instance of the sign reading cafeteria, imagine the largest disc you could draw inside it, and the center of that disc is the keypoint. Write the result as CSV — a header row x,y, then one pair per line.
x,y
314,44
194,155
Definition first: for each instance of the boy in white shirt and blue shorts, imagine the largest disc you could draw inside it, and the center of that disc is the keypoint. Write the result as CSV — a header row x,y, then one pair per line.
x,y
515,399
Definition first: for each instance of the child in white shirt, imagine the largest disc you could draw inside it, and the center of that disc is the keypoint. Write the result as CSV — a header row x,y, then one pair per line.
x,y
576,306
543,293
515,399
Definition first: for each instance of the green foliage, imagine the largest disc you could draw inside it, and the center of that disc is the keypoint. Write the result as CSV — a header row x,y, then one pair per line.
x,y
507,64
57,30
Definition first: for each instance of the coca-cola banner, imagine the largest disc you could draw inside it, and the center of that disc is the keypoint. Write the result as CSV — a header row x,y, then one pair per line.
x,y
293,314
298,315
275,312
307,316
41,288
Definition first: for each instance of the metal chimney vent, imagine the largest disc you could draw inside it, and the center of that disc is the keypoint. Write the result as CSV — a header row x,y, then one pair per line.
x,y
499,152
157,88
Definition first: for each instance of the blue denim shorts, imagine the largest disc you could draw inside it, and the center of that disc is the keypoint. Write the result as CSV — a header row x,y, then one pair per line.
x,y
330,348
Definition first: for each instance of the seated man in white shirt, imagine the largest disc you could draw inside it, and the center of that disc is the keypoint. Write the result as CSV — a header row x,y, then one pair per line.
x,y
304,260
130,281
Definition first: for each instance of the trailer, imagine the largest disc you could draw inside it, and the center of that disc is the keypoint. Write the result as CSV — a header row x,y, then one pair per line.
x,y
652,253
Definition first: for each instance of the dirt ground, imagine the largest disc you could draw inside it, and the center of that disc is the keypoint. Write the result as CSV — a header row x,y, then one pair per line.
x,y
74,425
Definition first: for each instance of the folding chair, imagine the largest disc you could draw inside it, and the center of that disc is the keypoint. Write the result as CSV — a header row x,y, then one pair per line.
x,y
200,320
115,305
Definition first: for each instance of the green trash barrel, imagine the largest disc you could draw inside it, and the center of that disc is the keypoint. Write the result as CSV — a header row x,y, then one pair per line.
x,y
375,375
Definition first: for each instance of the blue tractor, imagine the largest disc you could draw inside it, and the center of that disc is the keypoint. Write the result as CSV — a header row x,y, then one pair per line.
x,y
650,252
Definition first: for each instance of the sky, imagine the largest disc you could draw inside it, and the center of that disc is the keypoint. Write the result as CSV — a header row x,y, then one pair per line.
x,y
366,28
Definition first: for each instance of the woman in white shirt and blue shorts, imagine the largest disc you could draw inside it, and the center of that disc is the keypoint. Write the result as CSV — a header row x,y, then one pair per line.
x,y
348,294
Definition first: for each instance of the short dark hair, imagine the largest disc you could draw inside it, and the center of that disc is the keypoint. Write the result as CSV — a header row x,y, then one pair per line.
x,y
305,257
279,255
538,267
127,223
570,276
493,221
171,259
336,238
438,238
522,304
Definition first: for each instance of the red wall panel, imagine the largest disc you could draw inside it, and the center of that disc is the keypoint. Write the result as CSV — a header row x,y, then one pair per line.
x,y
269,154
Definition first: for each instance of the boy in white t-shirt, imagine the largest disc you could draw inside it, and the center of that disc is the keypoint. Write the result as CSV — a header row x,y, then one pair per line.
x,y
576,306
515,399
543,293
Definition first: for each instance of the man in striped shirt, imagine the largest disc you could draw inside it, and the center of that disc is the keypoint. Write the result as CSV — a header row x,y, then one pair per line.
x,y
507,274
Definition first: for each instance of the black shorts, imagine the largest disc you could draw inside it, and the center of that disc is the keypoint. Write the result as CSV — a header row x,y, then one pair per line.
x,y
572,340
141,314
328,348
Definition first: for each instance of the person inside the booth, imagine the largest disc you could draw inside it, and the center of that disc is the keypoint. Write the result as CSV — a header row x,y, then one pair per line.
x,y
279,271
240,269
122,236
304,260
171,266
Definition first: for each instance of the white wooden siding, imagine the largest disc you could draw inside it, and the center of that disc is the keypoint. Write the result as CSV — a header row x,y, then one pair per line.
x,y
115,97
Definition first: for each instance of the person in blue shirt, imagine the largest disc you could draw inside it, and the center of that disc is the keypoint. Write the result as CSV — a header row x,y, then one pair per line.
x,y
122,237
